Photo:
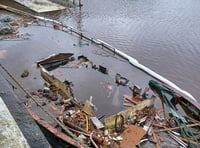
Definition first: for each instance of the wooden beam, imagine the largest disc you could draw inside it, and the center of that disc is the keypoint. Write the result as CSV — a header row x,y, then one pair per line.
x,y
176,128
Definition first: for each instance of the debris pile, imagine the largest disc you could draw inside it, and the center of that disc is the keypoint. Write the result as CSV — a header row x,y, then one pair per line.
x,y
139,124
25,73
9,28
7,25
81,117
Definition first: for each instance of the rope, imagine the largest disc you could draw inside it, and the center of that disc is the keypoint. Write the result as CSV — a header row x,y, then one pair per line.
x,y
172,109
35,100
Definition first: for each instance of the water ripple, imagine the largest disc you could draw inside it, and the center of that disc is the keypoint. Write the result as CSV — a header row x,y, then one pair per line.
x,y
162,34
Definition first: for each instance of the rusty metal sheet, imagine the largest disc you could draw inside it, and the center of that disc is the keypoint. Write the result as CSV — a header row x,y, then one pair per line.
x,y
53,130
110,121
132,136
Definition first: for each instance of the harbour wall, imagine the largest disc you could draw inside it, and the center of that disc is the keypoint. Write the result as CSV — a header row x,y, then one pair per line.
x,y
27,132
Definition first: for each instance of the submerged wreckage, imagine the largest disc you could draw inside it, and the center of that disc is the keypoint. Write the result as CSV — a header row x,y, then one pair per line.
x,y
139,123
156,116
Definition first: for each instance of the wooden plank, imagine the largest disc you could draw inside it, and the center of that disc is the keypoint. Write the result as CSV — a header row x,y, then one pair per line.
x,y
53,130
176,128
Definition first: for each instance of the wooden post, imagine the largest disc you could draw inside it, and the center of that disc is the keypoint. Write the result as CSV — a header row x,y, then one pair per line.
x,y
81,35
163,106
80,3
71,30
45,22
155,139
69,3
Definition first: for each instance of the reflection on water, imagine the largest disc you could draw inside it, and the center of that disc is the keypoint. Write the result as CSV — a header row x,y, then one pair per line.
x,y
3,54
161,34
115,99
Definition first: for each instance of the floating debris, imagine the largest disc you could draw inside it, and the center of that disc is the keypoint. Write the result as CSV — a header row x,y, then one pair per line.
x,y
56,84
121,80
102,69
25,73
55,60
139,124
139,120
7,24
140,115
6,29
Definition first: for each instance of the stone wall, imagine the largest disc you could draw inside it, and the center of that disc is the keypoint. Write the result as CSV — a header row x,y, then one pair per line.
x,y
26,124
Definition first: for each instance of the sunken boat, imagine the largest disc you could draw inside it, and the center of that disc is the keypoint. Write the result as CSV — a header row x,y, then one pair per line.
x,y
93,98
137,122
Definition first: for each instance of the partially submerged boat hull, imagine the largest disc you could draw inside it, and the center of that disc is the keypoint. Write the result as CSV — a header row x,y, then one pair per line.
x,y
55,60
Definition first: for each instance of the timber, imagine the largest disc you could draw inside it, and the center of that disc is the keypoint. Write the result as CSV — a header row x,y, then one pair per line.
x,y
176,128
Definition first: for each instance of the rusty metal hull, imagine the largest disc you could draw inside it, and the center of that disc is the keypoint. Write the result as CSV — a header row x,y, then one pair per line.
x,y
53,130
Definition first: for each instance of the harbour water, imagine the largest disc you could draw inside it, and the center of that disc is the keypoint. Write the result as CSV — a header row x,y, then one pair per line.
x,y
161,34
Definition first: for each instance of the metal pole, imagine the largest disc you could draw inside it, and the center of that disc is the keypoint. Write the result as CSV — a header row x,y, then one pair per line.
x,y
80,3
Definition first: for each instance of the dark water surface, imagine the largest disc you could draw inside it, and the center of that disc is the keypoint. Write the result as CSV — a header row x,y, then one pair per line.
x,y
161,34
